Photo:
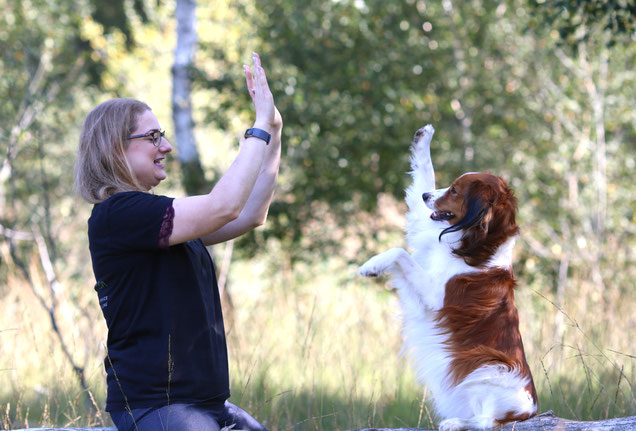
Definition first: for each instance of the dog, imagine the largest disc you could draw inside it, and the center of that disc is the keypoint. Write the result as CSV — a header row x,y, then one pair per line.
x,y
456,292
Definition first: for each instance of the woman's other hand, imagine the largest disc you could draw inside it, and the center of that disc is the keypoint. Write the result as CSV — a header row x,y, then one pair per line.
x,y
267,115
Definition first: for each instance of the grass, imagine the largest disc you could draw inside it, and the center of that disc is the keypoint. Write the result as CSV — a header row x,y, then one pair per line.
x,y
316,348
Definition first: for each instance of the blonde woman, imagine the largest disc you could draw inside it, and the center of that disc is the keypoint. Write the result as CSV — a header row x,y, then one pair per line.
x,y
166,363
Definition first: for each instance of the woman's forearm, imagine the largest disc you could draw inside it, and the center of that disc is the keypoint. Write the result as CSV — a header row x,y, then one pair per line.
x,y
256,208
262,194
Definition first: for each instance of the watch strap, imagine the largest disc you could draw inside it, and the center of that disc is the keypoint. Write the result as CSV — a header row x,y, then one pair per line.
x,y
258,133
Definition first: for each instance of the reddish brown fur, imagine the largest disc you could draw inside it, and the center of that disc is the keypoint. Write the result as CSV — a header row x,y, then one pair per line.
x,y
483,324
498,205
512,416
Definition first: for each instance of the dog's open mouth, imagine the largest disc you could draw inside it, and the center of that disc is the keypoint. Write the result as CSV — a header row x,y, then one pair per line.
x,y
442,215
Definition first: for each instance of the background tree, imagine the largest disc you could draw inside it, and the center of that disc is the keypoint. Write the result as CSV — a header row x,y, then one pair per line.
x,y
193,177
577,21
44,58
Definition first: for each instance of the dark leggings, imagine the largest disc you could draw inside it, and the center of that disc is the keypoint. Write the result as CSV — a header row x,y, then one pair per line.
x,y
186,417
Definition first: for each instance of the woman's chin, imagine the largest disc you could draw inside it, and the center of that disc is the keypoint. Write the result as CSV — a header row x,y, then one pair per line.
x,y
151,185
160,176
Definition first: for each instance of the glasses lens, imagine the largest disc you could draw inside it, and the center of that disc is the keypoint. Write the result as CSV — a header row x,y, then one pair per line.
x,y
156,137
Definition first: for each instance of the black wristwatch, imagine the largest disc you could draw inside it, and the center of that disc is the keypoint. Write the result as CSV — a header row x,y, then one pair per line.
x,y
258,133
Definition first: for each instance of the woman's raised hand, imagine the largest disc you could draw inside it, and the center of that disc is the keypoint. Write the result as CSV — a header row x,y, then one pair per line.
x,y
267,116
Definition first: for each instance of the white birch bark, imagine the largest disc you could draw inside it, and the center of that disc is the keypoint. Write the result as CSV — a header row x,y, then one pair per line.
x,y
181,101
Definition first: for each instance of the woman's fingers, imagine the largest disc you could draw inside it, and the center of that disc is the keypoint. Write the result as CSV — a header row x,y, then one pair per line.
x,y
249,79
259,91
261,78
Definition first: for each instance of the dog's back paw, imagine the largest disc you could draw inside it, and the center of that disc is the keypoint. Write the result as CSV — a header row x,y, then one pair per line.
x,y
454,424
458,424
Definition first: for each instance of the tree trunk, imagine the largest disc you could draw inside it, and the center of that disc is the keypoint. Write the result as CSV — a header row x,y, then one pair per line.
x,y
193,176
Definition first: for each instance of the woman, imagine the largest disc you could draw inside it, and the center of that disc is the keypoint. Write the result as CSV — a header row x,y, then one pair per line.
x,y
166,362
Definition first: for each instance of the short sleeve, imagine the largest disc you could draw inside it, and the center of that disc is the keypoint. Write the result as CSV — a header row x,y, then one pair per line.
x,y
138,220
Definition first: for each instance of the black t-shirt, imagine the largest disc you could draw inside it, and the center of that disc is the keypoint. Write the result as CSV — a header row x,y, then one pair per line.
x,y
166,340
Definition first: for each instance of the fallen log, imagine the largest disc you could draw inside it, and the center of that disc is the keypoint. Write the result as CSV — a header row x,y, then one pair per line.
x,y
548,421
544,422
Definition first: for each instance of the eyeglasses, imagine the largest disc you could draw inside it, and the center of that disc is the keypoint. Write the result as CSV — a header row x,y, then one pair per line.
x,y
155,135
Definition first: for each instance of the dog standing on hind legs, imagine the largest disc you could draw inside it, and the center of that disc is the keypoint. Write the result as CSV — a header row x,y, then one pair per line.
x,y
457,295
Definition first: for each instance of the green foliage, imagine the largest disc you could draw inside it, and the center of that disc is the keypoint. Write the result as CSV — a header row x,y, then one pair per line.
x,y
355,80
576,20
114,16
41,66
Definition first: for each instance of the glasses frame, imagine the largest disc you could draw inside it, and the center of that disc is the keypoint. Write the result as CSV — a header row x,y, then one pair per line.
x,y
150,134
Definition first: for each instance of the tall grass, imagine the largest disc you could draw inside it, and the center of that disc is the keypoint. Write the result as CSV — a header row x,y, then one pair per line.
x,y
314,348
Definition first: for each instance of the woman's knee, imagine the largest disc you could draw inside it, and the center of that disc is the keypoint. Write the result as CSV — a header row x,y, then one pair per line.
x,y
234,415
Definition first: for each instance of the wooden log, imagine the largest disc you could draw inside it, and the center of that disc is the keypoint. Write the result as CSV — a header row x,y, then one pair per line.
x,y
543,422
547,422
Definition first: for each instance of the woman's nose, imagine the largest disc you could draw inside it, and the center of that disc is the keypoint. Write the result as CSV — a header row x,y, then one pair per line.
x,y
165,146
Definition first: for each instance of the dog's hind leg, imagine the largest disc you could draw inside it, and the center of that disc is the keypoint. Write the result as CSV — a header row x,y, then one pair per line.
x,y
405,272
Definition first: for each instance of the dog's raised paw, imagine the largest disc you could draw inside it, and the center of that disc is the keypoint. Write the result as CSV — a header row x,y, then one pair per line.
x,y
373,267
426,131
422,144
369,271
381,263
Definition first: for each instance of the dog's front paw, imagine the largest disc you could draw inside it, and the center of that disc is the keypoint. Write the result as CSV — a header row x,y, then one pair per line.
x,y
380,264
373,267
423,136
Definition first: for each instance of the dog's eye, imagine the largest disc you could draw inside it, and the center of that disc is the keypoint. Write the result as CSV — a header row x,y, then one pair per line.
x,y
453,191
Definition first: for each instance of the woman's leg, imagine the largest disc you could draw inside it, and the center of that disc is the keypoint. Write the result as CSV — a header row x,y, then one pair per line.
x,y
175,417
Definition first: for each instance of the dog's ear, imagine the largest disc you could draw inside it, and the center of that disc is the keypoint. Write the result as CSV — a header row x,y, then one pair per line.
x,y
477,215
504,209
485,196
486,219
477,224
491,206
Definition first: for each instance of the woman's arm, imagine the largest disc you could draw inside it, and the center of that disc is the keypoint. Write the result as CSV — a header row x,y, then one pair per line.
x,y
255,210
197,216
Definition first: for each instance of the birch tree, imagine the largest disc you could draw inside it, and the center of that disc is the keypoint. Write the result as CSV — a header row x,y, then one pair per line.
x,y
193,176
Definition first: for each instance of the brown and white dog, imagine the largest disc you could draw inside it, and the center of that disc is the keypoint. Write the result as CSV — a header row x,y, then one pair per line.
x,y
457,295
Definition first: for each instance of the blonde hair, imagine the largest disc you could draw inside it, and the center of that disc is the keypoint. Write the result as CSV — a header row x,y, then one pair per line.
x,y
101,168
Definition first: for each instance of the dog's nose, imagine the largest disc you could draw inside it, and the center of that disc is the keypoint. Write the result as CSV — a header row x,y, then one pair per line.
x,y
426,196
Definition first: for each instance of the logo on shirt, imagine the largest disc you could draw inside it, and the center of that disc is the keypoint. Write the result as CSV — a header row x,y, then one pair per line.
x,y
103,301
100,285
